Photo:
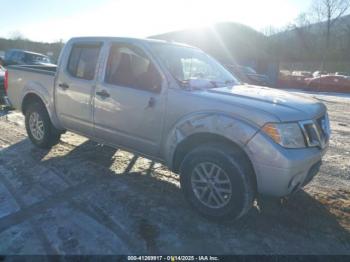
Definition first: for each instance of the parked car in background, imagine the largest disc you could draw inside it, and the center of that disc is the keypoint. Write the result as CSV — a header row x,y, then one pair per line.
x,y
329,83
248,75
295,79
22,57
319,73
302,73
342,74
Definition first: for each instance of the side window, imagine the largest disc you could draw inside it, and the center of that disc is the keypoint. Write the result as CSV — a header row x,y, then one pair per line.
x,y
8,55
130,67
83,60
11,56
20,57
15,56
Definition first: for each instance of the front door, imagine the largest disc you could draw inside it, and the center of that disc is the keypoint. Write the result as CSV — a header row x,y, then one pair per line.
x,y
75,87
130,100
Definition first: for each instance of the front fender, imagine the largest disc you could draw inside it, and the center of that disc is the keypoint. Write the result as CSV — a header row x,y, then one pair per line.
x,y
236,130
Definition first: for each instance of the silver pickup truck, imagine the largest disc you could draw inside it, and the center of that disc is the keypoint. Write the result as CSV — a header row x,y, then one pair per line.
x,y
175,104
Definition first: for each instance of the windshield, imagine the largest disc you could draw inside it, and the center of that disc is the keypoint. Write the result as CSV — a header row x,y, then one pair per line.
x,y
186,63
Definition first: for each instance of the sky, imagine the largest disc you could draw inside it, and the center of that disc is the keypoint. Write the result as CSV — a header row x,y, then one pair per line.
x,y
52,20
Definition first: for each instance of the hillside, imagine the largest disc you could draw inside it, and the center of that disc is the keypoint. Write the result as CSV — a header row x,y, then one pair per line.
x,y
228,42
232,42
308,43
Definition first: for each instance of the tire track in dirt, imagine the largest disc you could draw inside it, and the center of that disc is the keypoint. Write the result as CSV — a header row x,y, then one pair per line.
x,y
142,195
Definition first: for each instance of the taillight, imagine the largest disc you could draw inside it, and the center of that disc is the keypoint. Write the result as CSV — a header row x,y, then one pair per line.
x,y
6,81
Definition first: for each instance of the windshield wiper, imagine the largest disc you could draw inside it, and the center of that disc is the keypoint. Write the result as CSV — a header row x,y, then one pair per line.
x,y
214,83
231,82
225,83
190,83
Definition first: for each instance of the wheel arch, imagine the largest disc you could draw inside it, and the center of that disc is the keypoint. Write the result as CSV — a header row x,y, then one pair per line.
x,y
206,124
32,97
207,127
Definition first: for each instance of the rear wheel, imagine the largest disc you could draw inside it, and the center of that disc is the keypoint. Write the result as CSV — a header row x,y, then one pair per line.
x,y
39,127
217,181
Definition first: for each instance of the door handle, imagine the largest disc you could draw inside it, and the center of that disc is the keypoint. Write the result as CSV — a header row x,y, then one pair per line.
x,y
103,94
151,102
64,86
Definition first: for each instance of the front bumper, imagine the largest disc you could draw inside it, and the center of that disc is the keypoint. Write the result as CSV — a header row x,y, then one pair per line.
x,y
280,171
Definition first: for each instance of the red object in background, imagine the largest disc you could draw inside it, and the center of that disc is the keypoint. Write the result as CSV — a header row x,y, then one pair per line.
x,y
291,81
329,83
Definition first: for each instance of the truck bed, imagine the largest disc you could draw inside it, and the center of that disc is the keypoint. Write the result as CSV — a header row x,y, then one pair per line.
x,y
21,79
43,69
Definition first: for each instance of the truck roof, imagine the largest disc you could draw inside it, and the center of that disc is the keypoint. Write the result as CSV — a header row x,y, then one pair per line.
x,y
128,39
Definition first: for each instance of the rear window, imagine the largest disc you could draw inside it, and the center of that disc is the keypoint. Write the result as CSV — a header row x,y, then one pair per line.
x,y
83,60
36,58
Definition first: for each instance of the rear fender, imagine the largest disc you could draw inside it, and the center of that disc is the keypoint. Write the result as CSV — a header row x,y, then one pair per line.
x,y
46,97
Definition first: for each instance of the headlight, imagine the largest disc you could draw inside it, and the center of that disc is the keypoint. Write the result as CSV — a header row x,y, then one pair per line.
x,y
288,135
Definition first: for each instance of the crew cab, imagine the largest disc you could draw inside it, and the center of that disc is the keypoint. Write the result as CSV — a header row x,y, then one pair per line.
x,y
175,104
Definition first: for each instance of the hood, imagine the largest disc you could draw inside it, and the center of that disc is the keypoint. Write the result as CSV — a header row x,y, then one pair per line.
x,y
281,104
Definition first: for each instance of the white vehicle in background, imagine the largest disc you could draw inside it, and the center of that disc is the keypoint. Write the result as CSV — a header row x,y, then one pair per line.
x,y
302,73
319,73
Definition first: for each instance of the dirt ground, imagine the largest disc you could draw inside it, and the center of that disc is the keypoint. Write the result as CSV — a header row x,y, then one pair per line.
x,y
84,198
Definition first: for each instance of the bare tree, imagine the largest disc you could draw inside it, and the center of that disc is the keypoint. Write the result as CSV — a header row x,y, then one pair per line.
x,y
270,30
302,26
330,11
302,20
299,40
346,39
16,35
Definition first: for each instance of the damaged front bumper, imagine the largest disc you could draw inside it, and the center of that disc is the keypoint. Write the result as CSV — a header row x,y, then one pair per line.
x,y
280,171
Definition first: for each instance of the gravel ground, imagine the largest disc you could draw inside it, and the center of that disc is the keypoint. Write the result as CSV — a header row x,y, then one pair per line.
x,y
84,198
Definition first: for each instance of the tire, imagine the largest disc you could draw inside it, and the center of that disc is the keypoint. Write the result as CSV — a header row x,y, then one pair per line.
x,y
233,185
48,135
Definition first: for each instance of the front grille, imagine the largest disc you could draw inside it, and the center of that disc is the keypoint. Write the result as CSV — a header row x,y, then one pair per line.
x,y
316,132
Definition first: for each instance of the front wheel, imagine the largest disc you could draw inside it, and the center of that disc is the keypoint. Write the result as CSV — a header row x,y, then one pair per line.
x,y
218,181
39,127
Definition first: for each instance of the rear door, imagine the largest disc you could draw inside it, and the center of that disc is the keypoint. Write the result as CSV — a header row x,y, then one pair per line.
x,y
130,99
75,87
